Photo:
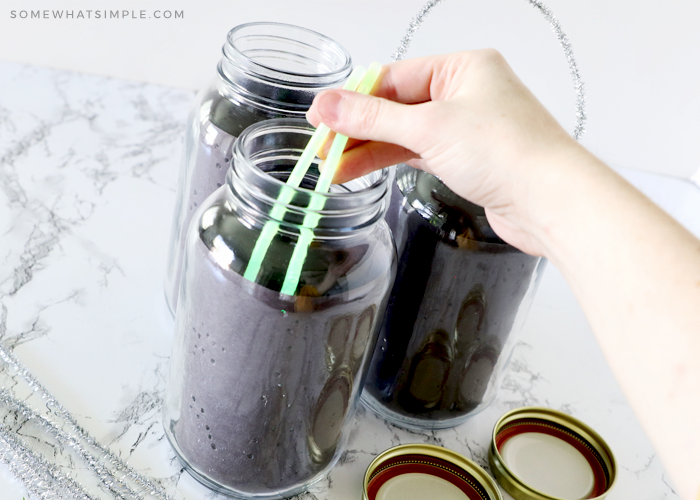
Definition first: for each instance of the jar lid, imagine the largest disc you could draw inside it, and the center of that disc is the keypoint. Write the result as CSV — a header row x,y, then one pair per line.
x,y
418,471
544,454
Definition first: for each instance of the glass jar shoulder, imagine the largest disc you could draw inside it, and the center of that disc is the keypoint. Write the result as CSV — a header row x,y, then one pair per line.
x,y
427,201
333,265
230,109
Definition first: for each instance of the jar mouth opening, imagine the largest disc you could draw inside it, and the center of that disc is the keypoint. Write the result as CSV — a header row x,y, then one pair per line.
x,y
358,194
286,52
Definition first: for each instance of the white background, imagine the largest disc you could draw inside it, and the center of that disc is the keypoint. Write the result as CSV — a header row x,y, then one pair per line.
x,y
640,59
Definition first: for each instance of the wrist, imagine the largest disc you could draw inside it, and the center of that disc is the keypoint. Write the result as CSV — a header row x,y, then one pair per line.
x,y
564,195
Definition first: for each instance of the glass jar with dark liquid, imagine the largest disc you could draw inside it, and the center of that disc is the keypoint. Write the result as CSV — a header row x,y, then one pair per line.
x,y
460,296
262,384
268,70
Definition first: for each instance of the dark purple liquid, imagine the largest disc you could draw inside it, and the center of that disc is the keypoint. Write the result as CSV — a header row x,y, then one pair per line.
x,y
268,384
210,152
452,309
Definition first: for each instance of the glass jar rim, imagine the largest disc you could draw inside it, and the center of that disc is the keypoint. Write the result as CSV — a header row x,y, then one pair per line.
x,y
233,53
363,197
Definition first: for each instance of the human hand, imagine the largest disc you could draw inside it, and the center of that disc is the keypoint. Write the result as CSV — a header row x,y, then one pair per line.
x,y
468,119
465,117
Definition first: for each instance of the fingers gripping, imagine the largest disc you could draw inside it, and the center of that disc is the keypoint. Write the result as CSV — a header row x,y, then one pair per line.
x,y
365,117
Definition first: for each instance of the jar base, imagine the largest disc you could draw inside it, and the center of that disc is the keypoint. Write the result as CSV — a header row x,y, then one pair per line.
x,y
414,423
239,495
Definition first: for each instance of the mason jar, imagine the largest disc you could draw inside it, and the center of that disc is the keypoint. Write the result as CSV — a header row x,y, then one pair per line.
x,y
459,300
268,70
263,385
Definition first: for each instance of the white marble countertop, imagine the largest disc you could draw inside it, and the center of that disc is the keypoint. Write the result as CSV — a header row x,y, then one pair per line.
x,y
88,169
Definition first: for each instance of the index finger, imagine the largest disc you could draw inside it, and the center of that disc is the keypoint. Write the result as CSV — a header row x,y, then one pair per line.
x,y
414,81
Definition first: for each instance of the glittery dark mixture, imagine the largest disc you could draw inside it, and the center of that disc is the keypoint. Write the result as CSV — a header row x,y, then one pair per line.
x,y
453,306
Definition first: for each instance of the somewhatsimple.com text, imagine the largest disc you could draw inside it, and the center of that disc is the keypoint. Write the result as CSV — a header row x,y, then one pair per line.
x,y
96,14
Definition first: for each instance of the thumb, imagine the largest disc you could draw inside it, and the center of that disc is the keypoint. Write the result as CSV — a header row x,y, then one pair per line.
x,y
366,117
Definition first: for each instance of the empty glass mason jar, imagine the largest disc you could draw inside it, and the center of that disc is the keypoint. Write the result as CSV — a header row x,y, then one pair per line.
x,y
262,384
268,70
460,297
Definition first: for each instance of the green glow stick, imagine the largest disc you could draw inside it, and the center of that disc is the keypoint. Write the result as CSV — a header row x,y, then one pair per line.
x,y
320,135
338,146
286,194
291,279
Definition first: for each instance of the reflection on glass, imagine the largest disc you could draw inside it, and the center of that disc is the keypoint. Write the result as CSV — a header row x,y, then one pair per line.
x,y
460,296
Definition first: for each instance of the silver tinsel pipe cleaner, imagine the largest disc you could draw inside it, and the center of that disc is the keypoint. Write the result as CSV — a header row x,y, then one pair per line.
x,y
579,127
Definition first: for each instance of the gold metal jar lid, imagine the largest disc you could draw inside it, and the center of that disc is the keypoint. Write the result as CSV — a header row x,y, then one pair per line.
x,y
417,471
544,454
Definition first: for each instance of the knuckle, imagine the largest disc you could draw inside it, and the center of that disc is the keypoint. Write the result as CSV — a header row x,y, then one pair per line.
x,y
491,57
368,114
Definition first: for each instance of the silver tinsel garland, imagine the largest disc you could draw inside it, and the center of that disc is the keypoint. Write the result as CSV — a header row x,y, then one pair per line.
x,y
579,127
43,479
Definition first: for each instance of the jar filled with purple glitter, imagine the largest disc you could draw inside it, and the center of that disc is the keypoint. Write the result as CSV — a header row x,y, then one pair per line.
x,y
262,384
268,70
459,300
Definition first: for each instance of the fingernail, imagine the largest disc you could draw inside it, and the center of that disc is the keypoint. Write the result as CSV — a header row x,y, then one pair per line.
x,y
328,107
